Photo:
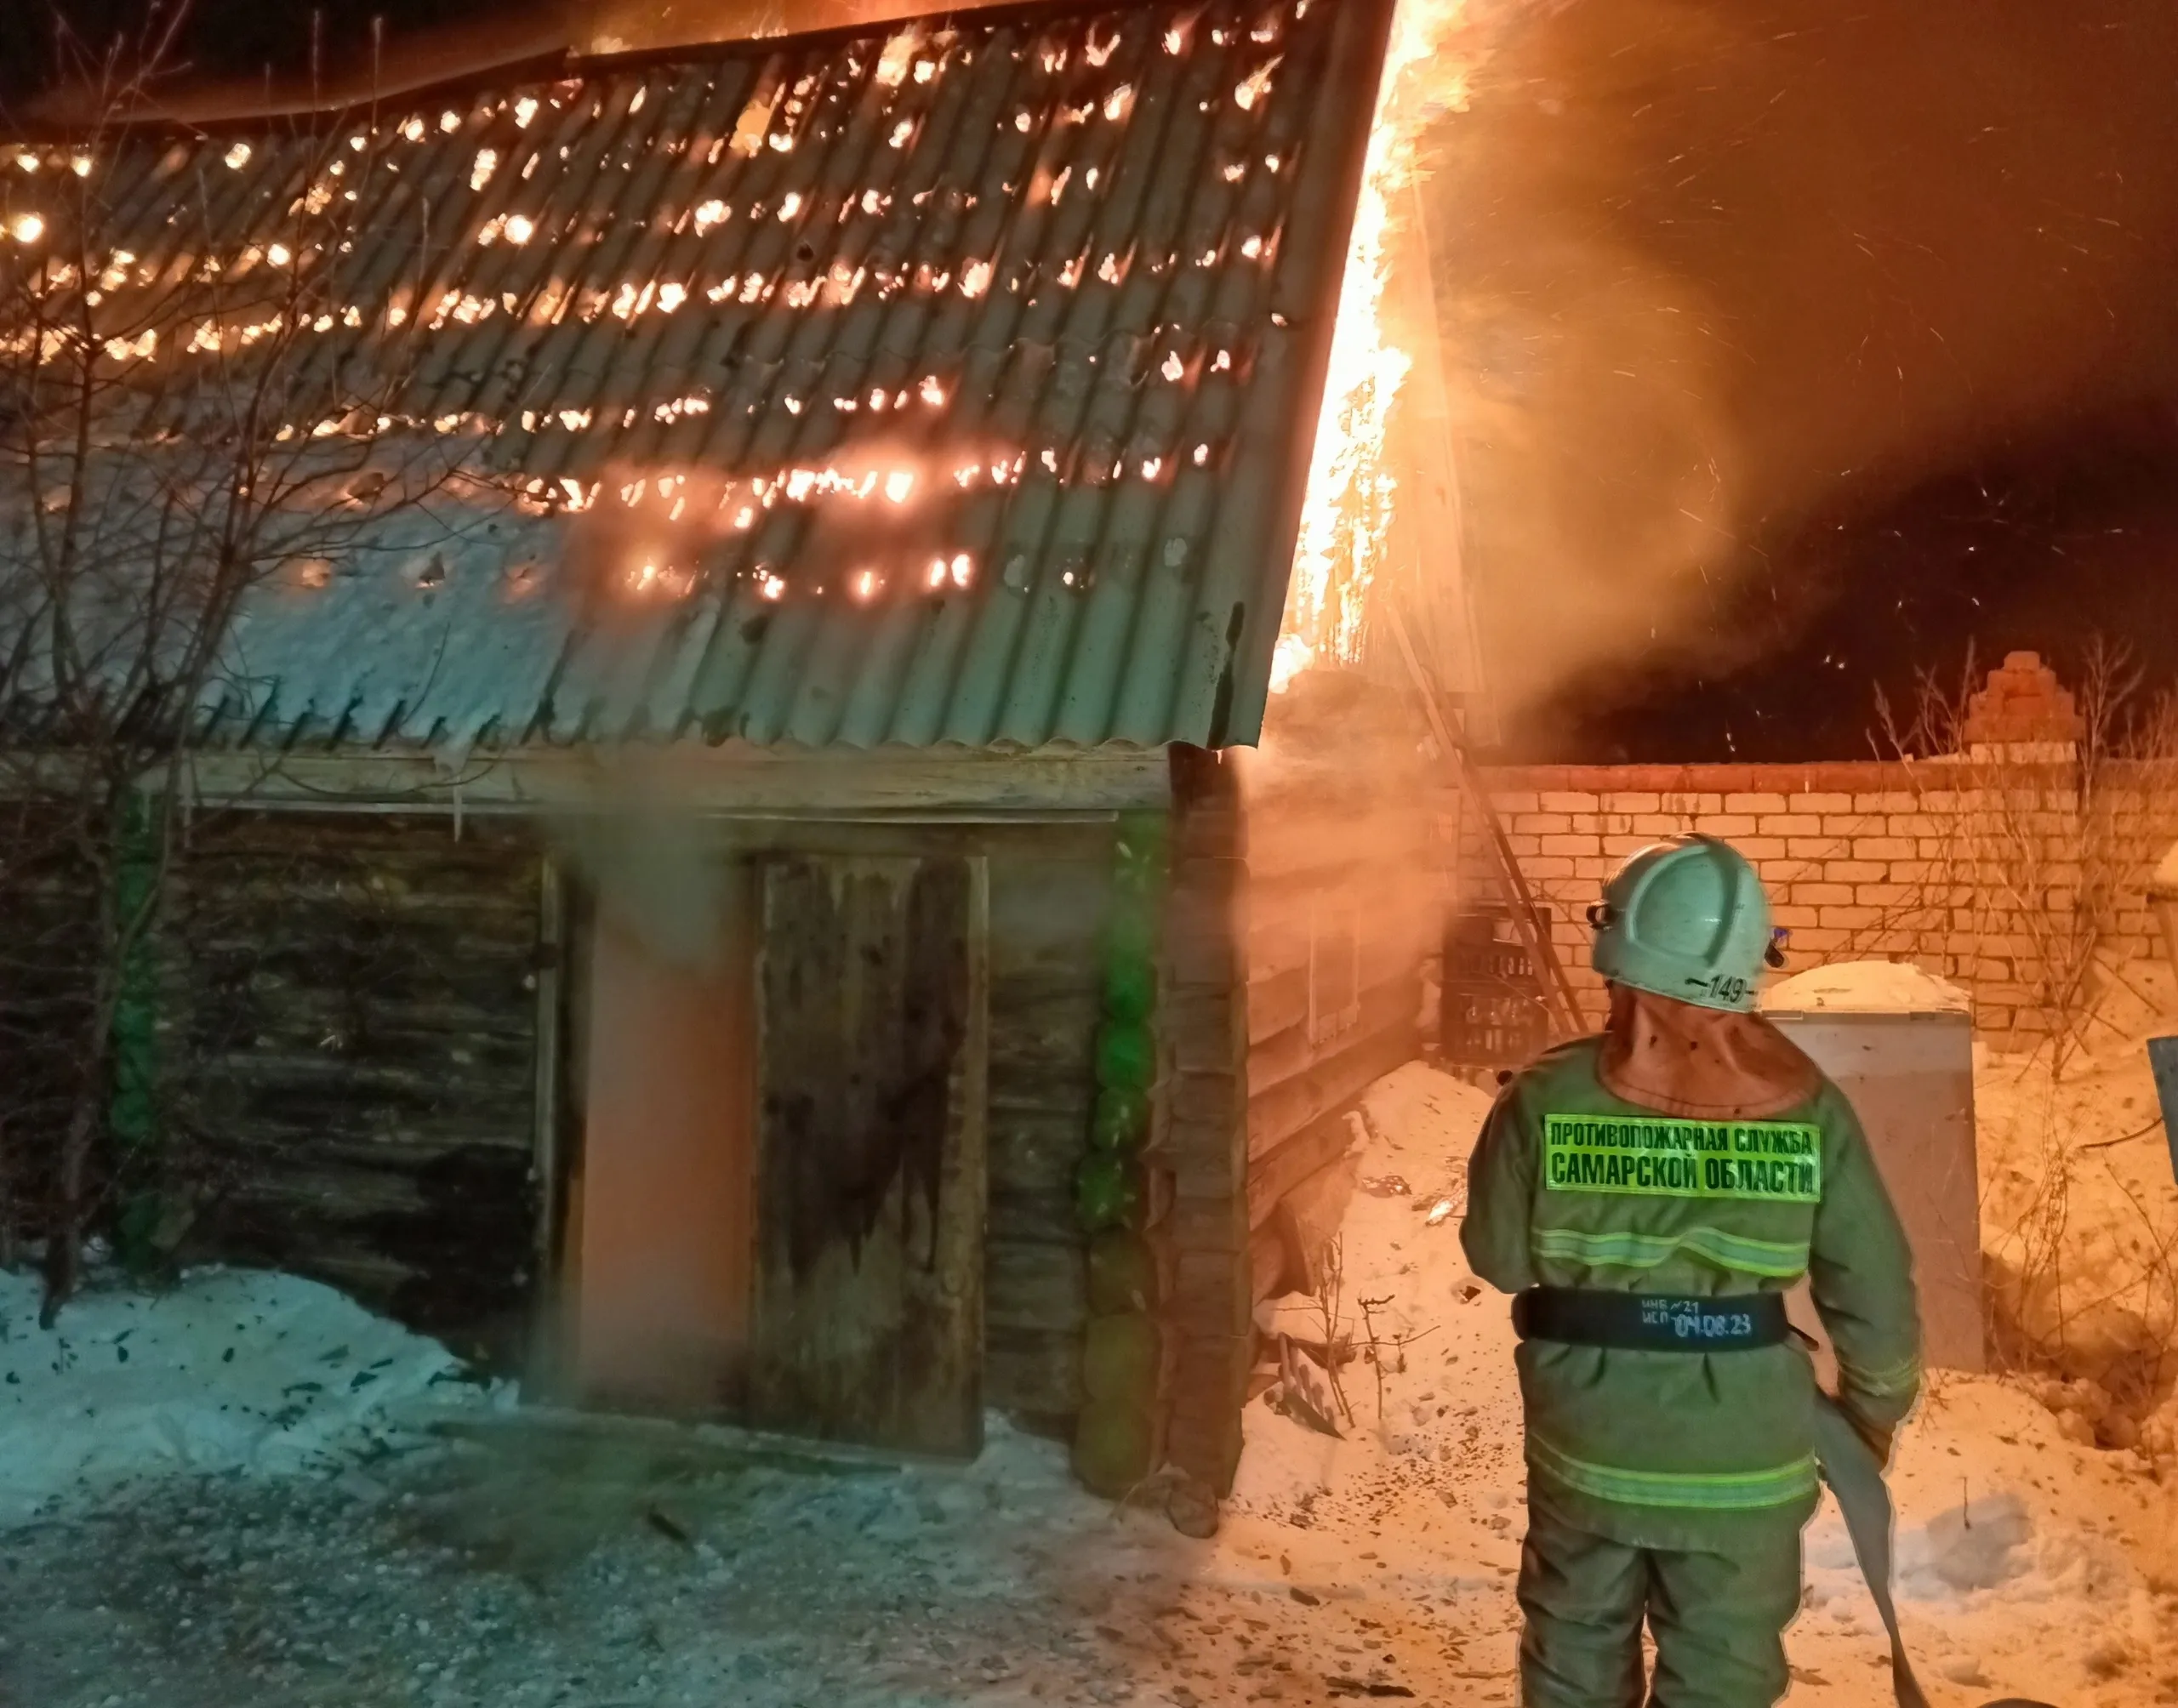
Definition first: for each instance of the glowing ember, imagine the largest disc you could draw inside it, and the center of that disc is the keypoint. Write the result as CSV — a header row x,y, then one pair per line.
x,y
1121,99
709,214
1256,87
772,587
963,570
867,584
525,109
26,228
487,163
893,63
898,485
932,393
518,229
238,156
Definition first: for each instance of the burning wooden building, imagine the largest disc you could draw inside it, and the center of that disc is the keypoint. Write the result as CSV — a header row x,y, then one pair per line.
x,y
742,898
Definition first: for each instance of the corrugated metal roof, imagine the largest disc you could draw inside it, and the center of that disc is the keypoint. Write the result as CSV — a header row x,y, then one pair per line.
x,y
980,355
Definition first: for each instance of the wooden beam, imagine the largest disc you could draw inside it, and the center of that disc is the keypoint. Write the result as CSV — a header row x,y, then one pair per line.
x,y
1328,1087
1294,1160
1389,1006
733,780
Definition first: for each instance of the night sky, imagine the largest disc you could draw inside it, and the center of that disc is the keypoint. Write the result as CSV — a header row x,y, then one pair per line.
x,y
1823,338
224,38
1819,337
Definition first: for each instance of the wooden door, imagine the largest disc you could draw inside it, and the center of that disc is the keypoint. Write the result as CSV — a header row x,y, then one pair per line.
x,y
870,1151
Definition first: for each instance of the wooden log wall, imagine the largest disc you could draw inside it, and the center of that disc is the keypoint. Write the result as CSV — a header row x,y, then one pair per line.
x,y
347,1042
349,1069
48,926
1344,909
1049,896
1201,1026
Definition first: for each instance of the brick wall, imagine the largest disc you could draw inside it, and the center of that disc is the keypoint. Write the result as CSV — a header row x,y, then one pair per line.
x,y
1972,870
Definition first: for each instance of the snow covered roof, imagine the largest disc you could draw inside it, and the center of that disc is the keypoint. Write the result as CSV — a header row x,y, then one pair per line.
x,y
1866,987
947,381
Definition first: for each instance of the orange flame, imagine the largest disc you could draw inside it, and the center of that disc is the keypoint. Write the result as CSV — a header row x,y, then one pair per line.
x,y
1346,517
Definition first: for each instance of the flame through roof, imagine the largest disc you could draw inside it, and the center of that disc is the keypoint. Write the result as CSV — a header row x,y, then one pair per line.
x,y
1042,298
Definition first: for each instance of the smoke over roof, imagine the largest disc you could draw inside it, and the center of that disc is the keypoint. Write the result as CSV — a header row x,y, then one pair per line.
x,y
1752,309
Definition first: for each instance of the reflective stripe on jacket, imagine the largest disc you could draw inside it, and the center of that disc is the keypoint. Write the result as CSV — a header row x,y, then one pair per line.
x,y
1572,1186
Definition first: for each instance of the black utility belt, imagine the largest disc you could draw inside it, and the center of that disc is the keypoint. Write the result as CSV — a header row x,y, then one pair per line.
x,y
1650,1321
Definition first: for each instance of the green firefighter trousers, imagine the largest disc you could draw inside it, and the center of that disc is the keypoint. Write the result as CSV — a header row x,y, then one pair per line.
x,y
1719,1619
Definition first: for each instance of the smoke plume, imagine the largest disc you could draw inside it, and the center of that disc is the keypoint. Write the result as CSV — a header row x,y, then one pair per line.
x,y
1717,281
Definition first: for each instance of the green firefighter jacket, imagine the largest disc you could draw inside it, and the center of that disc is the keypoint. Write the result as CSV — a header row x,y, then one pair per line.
x,y
1571,1186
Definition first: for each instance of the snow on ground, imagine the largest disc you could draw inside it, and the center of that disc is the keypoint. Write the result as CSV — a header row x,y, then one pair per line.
x,y
540,1558
230,1370
2079,1217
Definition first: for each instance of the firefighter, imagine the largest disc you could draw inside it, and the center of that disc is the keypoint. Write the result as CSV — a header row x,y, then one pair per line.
x,y
1648,1196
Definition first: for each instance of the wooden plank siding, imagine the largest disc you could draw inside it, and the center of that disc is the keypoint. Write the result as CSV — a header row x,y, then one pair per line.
x,y
347,1035
871,1155
1342,913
